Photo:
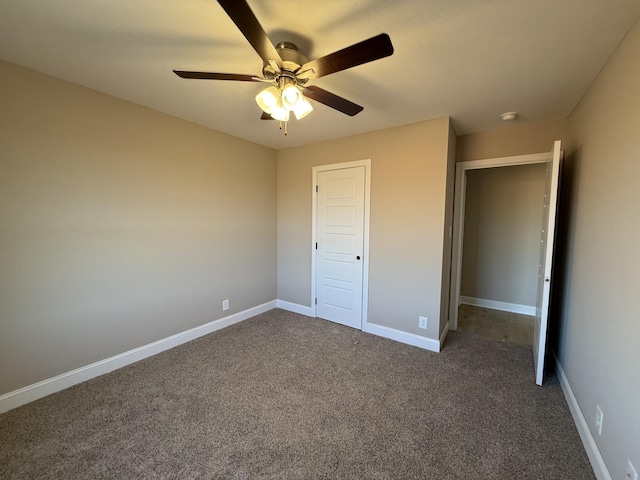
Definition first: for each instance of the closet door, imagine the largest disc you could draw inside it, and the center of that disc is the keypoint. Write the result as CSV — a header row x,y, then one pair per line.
x,y
545,266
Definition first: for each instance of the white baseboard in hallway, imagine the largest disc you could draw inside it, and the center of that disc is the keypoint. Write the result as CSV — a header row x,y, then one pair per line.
x,y
46,387
495,305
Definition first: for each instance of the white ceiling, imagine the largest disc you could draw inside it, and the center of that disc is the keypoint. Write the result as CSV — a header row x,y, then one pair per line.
x,y
469,59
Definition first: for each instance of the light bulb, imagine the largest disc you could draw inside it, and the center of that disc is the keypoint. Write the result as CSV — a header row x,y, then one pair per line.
x,y
291,96
267,99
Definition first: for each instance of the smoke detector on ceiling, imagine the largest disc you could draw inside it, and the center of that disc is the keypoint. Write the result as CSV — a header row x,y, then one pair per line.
x,y
509,116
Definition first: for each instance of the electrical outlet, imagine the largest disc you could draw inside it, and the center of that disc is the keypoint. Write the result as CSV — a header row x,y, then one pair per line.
x,y
422,322
631,472
599,419
225,304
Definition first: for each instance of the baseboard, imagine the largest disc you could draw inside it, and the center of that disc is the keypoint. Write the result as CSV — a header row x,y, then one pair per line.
x,y
379,330
597,462
46,387
295,308
495,305
402,337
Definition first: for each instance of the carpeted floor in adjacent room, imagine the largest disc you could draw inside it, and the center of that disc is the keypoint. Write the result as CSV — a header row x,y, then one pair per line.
x,y
290,397
503,326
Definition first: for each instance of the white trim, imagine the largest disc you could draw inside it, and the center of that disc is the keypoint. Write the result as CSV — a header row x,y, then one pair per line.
x,y
295,308
51,385
403,337
366,163
460,192
443,336
379,330
496,305
458,217
590,445
506,161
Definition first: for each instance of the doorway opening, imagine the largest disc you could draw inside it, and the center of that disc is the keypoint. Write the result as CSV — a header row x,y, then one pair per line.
x,y
551,162
503,218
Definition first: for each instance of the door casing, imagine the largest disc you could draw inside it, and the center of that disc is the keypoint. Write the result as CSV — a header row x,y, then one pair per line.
x,y
458,217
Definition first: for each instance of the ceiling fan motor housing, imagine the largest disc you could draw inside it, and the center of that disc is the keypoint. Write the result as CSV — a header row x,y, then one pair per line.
x,y
292,59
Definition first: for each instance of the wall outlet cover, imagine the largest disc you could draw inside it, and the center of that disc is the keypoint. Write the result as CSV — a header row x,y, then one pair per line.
x,y
422,322
225,304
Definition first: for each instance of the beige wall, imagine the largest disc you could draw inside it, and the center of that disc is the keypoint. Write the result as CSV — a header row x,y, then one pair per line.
x,y
408,205
519,138
119,226
599,346
503,218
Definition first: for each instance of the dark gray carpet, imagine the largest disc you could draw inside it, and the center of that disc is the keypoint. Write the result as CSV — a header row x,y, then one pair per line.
x,y
286,396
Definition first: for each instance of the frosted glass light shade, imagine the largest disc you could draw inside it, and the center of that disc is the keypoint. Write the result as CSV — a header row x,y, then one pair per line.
x,y
280,113
302,108
267,99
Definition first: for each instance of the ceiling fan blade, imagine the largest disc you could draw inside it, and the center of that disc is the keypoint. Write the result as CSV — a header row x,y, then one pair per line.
x,y
266,116
241,14
332,100
216,76
366,51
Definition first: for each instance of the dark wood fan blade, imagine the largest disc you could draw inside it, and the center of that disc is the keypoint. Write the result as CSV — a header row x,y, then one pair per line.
x,y
266,116
216,76
241,14
332,100
366,51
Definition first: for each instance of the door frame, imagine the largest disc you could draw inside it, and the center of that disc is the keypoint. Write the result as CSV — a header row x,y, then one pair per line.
x,y
366,163
459,213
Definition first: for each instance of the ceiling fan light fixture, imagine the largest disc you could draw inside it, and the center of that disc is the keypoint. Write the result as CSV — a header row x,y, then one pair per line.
x,y
289,71
267,99
302,108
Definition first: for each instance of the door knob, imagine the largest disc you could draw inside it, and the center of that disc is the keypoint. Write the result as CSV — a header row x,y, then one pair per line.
x,y
358,257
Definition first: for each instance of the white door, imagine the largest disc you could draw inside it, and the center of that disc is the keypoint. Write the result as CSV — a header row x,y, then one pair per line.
x,y
340,245
546,261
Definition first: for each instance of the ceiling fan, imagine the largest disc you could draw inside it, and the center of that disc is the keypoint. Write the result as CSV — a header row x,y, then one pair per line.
x,y
288,71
